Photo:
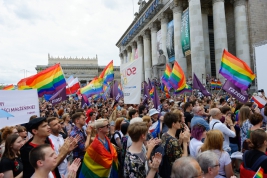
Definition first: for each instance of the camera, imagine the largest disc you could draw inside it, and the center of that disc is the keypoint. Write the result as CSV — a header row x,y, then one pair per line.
x,y
261,90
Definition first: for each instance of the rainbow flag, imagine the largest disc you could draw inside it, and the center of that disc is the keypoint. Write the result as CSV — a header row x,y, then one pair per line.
x,y
177,77
151,93
94,87
9,87
108,73
48,81
187,88
166,75
215,85
259,173
98,162
236,71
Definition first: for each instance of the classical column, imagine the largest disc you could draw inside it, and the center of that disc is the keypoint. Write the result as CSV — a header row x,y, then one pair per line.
x,y
133,49
164,25
197,39
179,56
140,54
129,54
125,56
154,30
147,55
121,57
241,31
205,12
220,35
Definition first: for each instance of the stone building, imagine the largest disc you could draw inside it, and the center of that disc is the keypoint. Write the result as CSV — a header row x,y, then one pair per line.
x,y
215,25
83,68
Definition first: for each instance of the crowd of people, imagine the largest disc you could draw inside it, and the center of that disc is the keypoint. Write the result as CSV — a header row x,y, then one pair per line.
x,y
182,139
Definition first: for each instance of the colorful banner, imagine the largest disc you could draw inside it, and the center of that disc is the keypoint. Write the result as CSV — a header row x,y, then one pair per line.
x,y
131,75
230,88
22,104
185,33
170,42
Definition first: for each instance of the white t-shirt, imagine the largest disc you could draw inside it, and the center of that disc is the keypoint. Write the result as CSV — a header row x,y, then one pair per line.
x,y
58,142
224,159
117,136
194,147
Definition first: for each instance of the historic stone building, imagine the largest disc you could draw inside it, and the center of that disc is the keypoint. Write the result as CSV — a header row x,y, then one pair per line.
x,y
83,68
215,25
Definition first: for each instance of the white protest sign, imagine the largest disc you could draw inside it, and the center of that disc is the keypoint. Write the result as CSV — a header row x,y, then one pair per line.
x,y
131,79
22,104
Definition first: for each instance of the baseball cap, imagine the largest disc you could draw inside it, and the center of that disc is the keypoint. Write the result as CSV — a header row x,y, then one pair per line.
x,y
152,112
34,123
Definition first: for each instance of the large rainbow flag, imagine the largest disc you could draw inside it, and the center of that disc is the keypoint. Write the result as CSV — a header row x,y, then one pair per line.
x,y
108,73
236,70
94,87
187,88
9,87
177,78
48,81
98,162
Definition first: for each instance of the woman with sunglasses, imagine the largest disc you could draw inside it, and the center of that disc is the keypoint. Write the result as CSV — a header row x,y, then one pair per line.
x,y
11,164
214,142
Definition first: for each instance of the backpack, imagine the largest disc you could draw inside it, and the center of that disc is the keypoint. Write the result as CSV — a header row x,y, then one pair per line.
x,y
249,172
164,167
124,140
113,138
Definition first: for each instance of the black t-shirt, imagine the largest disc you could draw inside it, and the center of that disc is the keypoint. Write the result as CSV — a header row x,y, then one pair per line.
x,y
188,117
15,165
251,157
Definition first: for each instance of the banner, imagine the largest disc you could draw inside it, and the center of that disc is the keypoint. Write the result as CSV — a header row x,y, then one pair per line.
x,y
230,88
185,33
159,42
22,104
170,42
131,77
58,96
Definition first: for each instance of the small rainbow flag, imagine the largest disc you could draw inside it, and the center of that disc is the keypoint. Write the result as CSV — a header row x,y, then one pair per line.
x,y
108,73
98,162
94,87
9,87
177,77
236,71
166,75
151,93
187,88
48,81
259,173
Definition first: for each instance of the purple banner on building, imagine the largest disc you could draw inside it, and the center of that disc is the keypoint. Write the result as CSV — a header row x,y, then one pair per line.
x,y
236,92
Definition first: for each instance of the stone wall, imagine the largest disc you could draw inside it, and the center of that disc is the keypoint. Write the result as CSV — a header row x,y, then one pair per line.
x,y
230,26
257,21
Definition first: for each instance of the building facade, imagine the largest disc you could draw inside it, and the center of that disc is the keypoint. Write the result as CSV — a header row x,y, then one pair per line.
x,y
84,68
215,25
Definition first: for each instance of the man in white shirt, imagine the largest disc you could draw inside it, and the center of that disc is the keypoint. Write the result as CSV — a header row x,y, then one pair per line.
x,y
57,141
215,123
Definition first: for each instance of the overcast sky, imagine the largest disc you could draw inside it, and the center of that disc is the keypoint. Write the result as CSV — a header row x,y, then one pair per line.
x,y
30,29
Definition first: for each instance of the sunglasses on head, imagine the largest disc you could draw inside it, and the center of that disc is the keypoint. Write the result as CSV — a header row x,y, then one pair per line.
x,y
105,126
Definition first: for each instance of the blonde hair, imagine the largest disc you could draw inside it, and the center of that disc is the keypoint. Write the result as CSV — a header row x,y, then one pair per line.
x,y
146,119
113,115
243,115
213,141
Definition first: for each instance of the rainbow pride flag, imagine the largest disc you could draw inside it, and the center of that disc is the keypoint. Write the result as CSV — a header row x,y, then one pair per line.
x,y
151,93
215,85
259,173
93,88
177,77
187,88
9,87
166,75
236,71
108,73
98,162
48,81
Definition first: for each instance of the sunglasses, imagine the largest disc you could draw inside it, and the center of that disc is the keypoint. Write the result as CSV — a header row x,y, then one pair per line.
x,y
105,126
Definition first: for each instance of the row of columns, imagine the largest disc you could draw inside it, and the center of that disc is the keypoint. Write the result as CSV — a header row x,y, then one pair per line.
x,y
199,36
